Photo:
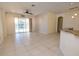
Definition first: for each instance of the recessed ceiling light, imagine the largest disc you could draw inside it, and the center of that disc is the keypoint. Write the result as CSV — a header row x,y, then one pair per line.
x,y
75,14
72,16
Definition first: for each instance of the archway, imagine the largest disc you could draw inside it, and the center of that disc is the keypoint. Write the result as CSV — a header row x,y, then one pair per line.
x,y
60,24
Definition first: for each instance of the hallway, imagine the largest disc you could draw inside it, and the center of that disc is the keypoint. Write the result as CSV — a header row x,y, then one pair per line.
x,y
31,44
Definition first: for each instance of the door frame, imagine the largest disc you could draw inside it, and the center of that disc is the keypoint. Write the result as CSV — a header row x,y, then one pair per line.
x,y
59,24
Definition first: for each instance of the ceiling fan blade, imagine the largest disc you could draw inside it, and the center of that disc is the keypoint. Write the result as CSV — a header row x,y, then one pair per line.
x,y
27,12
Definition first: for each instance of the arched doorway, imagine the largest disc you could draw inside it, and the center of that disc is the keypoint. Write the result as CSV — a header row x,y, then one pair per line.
x,y
60,24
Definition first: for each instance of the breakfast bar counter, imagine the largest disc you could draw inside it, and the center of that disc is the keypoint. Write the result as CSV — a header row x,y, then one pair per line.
x,y
69,42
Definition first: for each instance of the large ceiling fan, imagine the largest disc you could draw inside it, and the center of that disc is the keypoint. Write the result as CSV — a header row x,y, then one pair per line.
x,y
28,12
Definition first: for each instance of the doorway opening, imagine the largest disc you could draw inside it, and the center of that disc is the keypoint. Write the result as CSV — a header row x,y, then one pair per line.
x,y
60,24
21,24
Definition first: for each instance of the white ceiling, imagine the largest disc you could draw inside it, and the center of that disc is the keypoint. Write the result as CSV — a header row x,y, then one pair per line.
x,y
20,7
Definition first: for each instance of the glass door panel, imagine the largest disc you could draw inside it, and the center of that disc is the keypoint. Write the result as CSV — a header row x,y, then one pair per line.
x,y
21,24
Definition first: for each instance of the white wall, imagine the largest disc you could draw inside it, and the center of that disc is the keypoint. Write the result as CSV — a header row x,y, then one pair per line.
x,y
46,22
41,23
52,18
2,29
68,22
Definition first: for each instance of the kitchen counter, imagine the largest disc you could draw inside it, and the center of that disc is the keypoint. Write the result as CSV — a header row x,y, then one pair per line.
x,y
69,42
75,32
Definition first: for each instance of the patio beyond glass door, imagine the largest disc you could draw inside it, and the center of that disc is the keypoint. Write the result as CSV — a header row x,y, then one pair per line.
x,y
21,24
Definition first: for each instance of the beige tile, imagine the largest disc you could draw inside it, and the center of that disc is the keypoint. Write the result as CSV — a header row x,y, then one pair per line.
x,y
31,44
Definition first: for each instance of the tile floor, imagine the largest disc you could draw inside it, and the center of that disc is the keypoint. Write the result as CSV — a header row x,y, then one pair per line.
x,y
31,44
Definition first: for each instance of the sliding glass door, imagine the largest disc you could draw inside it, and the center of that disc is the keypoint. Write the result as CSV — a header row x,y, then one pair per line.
x,y
21,24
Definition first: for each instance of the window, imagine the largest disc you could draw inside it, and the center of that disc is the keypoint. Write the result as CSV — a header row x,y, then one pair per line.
x,y
21,24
